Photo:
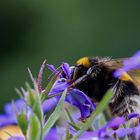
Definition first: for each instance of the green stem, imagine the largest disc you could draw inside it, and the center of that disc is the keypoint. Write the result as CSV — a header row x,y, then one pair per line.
x,y
102,105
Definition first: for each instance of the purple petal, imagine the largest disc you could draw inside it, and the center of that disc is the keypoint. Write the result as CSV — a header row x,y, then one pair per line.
x,y
93,135
88,135
76,116
104,132
116,122
137,132
133,115
52,68
52,135
19,104
81,101
129,64
59,86
7,120
118,73
66,69
49,104
56,134
133,62
10,116
121,132
16,138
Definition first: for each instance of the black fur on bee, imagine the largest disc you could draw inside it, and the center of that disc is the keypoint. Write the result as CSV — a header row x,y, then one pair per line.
x,y
94,76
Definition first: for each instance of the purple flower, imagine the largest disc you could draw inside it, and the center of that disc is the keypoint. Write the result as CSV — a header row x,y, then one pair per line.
x,y
52,135
52,68
89,135
59,86
114,124
122,132
74,96
10,117
81,101
129,64
66,69
49,104
133,62
134,115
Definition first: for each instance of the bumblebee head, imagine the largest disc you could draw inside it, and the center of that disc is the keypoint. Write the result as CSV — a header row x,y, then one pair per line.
x,y
81,67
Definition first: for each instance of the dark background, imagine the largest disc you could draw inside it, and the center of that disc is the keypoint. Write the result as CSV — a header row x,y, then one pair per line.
x,y
61,30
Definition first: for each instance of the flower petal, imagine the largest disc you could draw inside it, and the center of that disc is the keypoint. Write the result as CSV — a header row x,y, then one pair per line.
x,y
133,115
7,119
121,132
49,104
16,138
66,69
129,64
116,122
59,86
52,135
19,104
10,116
52,68
81,101
133,62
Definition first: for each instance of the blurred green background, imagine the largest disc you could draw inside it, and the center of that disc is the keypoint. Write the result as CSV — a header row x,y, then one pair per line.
x,y
62,30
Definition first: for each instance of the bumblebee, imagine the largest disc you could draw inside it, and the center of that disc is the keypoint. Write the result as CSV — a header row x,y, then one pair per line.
x,y
94,76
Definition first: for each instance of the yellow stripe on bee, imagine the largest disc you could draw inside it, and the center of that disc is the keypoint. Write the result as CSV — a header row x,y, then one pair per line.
x,y
84,61
125,77
8,131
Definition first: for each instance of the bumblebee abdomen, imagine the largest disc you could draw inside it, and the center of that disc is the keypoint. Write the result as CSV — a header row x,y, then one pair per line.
x,y
126,99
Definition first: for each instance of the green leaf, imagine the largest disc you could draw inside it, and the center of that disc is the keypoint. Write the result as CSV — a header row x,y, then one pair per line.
x,y
30,96
19,93
69,116
102,120
68,135
101,106
21,119
74,126
34,101
49,86
33,80
55,115
35,128
22,122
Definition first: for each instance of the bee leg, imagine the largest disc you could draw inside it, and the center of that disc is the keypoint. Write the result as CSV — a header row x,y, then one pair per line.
x,y
94,70
79,80
75,73
91,72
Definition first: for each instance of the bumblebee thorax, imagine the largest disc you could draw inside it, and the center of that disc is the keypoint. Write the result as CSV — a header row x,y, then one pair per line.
x,y
84,61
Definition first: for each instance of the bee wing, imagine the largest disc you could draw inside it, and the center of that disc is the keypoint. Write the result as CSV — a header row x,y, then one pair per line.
x,y
118,63
135,75
115,63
